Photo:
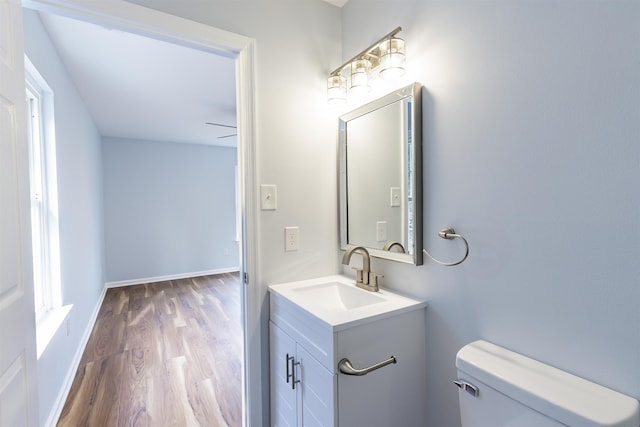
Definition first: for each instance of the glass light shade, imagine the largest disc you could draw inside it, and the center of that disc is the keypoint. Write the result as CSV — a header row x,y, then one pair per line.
x,y
360,76
392,58
337,89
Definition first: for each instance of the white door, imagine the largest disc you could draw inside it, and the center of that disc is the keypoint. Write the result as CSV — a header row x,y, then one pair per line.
x,y
18,406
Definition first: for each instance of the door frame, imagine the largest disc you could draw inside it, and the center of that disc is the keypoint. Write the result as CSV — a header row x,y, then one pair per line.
x,y
129,17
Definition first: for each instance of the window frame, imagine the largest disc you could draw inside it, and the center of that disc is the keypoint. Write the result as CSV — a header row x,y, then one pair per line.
x,y
38,198
44,195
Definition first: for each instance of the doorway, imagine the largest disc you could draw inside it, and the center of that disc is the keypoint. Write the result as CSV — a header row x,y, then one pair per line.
x,y
146,22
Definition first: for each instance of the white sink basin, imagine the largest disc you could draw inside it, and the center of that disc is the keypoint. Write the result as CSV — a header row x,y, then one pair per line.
x,y
337,301
336,296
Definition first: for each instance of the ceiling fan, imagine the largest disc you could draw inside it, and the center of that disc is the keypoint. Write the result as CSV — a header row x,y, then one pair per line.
x,y
225,126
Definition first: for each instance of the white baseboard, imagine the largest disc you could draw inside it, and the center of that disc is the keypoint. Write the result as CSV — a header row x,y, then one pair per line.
x,y
170,277
54,415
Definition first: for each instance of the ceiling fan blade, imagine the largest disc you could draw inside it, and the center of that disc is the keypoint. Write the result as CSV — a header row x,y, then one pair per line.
x,y
227,136
222,125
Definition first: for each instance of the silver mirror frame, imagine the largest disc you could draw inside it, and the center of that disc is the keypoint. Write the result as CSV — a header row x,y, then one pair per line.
x,y
413,95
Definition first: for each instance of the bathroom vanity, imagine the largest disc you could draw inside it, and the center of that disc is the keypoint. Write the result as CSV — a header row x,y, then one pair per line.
x,y
322,328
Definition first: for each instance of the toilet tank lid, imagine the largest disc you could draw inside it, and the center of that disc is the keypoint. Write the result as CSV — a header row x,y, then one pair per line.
x,y
564,397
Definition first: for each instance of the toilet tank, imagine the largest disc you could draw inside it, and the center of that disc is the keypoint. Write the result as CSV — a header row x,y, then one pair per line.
x,y
500,388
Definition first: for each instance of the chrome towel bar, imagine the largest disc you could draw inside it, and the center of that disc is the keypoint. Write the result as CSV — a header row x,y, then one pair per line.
x,y
347,368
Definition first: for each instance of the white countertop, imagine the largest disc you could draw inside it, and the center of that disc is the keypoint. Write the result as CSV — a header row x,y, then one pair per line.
x,y
338,302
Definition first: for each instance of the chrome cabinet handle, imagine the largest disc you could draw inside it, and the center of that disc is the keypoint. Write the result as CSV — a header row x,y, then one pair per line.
x,y
347,368
293,373
289,374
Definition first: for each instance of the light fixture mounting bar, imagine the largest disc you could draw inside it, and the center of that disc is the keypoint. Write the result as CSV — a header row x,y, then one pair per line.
x,y
365,52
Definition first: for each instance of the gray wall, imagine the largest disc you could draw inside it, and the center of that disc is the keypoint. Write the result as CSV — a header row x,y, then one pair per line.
x,y
169,209
79,208
532,152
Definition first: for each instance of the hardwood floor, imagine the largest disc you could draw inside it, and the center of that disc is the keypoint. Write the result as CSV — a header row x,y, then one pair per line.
x,y
163,354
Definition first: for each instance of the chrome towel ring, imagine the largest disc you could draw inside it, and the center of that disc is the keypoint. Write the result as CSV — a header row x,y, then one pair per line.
x,y
449,233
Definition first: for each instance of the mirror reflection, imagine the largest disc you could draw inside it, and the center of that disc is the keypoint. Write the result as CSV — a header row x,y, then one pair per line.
x,y
380,176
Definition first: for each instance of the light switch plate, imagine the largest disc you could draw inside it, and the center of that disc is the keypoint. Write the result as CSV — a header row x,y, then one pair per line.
x,y
395,197
268,197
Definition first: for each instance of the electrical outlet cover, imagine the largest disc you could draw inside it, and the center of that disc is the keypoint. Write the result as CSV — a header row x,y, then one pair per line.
x,y
291,239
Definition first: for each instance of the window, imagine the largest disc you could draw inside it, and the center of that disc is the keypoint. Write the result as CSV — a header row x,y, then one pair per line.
x,y
44,207
38,201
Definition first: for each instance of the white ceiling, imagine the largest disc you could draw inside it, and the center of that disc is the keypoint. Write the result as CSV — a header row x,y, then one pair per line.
x,y
137,87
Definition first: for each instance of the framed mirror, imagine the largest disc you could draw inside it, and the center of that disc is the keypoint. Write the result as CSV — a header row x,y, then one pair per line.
x,y
381,176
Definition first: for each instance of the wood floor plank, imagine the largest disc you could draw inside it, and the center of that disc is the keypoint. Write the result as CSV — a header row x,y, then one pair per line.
x,y
133,395
159,391
163,354
105,408
206,405
82,393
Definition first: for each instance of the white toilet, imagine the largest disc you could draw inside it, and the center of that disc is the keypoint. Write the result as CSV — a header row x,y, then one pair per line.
x,y
500,388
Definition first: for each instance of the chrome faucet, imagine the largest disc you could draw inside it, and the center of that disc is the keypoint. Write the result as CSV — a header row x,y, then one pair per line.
x,y
365,278
391,244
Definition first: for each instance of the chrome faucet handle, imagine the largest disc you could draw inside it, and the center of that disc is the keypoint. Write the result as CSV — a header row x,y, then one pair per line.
x,y
361,276
375,278
368,280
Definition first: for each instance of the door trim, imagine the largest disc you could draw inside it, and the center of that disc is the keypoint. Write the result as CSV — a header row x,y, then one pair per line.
x,y
118,14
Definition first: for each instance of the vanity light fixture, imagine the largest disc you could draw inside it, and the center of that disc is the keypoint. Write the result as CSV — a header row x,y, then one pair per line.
x,y
360,77
392,58
337,89
386,57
